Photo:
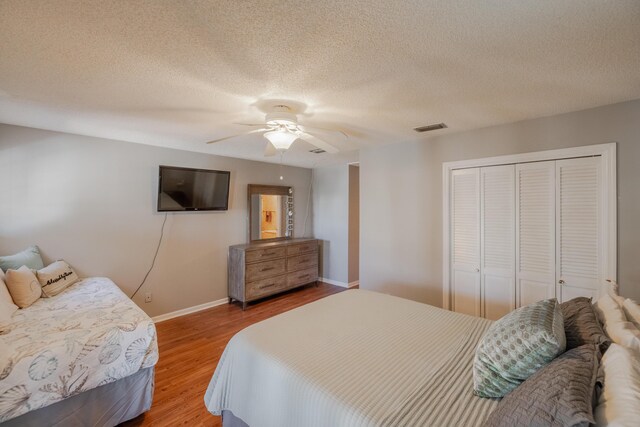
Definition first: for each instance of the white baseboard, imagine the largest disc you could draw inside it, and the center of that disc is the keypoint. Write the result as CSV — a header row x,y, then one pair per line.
x,y
196,308
337,283
189,310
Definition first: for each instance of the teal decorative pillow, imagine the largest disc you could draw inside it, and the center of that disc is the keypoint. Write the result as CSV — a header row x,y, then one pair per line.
x,y
516,346
29,257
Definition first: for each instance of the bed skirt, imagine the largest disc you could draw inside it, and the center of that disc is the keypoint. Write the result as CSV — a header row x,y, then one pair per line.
x,y
107,405
230,420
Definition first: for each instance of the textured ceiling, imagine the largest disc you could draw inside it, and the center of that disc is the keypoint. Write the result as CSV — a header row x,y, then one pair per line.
x,y
178,74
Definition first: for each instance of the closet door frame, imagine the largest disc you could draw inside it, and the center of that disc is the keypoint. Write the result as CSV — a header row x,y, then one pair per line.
x,y
609,191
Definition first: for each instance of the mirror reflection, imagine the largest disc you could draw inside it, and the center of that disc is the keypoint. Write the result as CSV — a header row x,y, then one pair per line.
x,y
268,214
271,212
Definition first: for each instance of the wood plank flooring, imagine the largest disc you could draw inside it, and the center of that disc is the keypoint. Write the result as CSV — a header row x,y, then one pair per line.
x,y
190,347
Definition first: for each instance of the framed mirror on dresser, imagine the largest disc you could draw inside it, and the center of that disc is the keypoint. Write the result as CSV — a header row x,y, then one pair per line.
x,y
273,261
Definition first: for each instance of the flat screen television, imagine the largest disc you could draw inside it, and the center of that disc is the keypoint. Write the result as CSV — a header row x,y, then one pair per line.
x,y
186,189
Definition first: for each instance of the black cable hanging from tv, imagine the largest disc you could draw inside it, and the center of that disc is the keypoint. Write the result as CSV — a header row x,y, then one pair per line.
x,y
154,256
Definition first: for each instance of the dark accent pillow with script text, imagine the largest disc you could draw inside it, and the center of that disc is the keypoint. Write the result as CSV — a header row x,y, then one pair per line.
x,y
56,277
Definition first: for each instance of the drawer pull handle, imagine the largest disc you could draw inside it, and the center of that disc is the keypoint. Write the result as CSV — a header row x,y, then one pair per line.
x,y
267,253
267,269
267,286
304,276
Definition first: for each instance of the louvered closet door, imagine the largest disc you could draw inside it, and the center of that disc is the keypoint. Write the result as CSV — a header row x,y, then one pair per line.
x,y
498,281
579,225
465,245
535,232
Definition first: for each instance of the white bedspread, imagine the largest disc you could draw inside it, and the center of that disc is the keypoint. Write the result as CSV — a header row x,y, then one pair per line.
x,y
357,358
89,335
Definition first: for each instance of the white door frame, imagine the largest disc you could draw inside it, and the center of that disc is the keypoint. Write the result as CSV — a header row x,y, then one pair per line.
x,y
609,191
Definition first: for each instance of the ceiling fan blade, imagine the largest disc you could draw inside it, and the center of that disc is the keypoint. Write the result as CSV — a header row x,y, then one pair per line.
x,y
235,136
270,150
318,142
250,124
327,130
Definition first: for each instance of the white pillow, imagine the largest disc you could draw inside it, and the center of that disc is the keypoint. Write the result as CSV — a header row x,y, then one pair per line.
x,y
619,403
7,307
632,311
615,323
23,286
613,290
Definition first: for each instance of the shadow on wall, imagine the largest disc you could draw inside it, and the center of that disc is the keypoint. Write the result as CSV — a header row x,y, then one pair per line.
x,y
413,291
325,246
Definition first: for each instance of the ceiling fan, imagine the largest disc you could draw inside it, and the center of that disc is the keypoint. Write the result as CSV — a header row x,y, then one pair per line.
x,y
281,129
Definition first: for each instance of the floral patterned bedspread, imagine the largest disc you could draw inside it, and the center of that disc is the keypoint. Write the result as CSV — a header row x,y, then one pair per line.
x,y
87,336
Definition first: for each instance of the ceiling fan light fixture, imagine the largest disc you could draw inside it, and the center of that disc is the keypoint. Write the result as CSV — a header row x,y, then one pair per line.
x,y
281,118
281,140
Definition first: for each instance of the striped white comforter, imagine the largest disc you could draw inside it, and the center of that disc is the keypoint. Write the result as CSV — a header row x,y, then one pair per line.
x,y
357,358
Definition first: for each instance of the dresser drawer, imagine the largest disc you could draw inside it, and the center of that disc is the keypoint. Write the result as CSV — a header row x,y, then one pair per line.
x,y
302,277
264,254
261,270
302,248
266,287
300,262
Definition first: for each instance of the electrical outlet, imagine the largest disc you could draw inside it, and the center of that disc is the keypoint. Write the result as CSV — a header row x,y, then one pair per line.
x,y
148,297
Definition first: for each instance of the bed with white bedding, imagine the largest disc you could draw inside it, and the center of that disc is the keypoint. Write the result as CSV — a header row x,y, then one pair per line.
x,y
357,358
89,336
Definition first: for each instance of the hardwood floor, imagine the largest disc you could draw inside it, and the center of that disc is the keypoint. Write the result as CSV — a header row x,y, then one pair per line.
x,y
190,347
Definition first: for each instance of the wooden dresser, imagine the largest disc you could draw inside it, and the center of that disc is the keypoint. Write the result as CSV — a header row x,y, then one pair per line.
x,y
258,270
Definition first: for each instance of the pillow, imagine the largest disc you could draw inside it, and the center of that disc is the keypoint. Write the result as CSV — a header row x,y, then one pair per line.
x,y
581,325
29,257
632,311
560,394
516,346
616,325
23,286
619,403
56,277
612,289
7,307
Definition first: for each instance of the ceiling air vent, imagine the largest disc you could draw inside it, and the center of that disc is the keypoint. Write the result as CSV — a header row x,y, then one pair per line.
x,y
317,151
428,128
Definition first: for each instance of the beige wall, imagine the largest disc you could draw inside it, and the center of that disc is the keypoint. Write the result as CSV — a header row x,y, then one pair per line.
x,y
331,220
336,221
92,202
401,186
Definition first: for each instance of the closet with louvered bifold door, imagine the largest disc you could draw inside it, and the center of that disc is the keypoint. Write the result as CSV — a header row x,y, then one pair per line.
x,y
525,232
483,239
580,249
536,232
465,241
497,247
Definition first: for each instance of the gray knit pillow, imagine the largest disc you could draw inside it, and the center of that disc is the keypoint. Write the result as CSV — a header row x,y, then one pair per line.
x,y
581,324
516,346
558,395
